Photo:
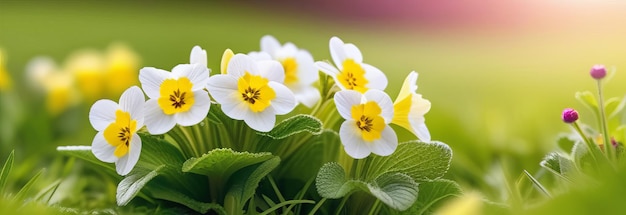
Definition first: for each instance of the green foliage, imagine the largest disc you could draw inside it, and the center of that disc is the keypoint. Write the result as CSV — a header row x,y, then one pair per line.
x,y
223,163
434,193
4,174
245,182
132,184
391,179
294,125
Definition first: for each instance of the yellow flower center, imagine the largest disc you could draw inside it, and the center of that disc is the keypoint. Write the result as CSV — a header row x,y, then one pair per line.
x,y
120,133
352,76
176,95
368,120
291,70
255,91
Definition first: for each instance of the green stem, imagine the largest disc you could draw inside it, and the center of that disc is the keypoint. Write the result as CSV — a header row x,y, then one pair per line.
x,y
285,203
317,206
608,147
374,208
342,203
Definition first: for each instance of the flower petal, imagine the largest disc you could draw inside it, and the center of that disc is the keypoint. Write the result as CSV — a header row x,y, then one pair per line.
x,y
197,112
228,54
197,74
353,52
221,87
262,121
272,70
387,143
352,141
421,131
156,121
151,79
307,71
257,56
409,86
337,51
376,78
240,64
384,102
327,68
102,114
235,108
102,149
307,95
269,44
133,101
285,101
344,100
198,56
125,164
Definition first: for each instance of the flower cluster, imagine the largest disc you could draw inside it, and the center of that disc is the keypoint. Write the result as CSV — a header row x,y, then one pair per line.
x,y
255,88
85,75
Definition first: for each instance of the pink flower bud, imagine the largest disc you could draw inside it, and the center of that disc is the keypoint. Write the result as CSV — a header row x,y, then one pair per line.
x,y
569,115
598,71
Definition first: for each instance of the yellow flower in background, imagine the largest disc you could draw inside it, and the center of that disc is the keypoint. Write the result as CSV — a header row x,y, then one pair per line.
x,y
57,85
410,107
86,75
121,69
5,79
468,204
87,66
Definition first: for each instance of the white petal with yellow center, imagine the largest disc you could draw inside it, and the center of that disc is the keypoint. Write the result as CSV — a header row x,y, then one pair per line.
x,y
365,130
117,125
251,91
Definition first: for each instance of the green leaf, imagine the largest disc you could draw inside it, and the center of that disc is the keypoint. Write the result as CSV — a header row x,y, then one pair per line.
x,y
565,143
432,194
557,164
294,125
223,162
420,160
304,163
159,191
6,169
589,100
397,190
614,106
132,184
244,182
582,157
84,153
22,193
537,184
331,181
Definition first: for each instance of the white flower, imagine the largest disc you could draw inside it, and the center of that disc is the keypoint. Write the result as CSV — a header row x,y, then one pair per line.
x,y
198,56
252,91
299,67
351,73
175,97
410,107
366,128
117,141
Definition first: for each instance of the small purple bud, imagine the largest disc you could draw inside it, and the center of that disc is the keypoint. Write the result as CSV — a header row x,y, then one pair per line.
x,y
598,71
569,115
614,142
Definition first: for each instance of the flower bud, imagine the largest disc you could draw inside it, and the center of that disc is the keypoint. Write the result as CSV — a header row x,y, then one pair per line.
x,y
569,115
598,71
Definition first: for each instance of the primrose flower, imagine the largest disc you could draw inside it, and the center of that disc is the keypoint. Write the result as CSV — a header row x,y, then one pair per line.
x,y
252,91
58,85
228,54
117,124
5,80
121,68
299,67
351,73
175,97
198,56
366,128
409,109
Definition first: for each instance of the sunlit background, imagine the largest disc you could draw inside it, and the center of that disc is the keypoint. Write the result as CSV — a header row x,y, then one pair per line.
x,y
498,73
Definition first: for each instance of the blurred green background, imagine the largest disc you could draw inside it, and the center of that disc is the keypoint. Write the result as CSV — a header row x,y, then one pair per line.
x,y
498,74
